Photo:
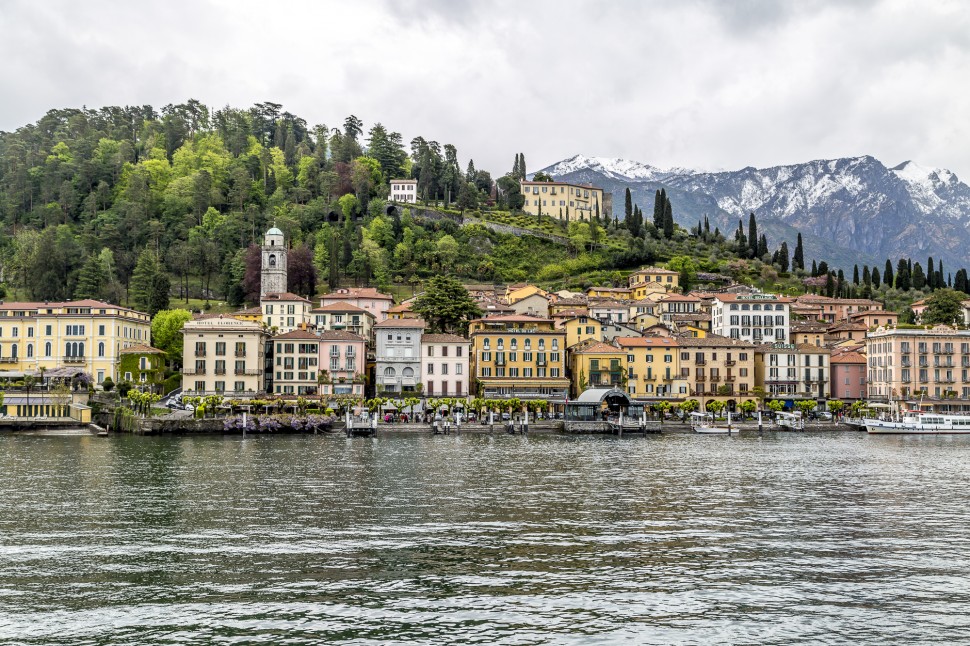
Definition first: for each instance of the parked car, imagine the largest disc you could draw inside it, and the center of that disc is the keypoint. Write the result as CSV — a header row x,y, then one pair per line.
x,y
506,417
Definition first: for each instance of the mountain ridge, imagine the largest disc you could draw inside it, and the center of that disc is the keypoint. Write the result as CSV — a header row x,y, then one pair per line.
x,y
855,209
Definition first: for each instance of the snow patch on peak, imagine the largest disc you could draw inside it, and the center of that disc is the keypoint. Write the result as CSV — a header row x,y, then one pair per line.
x,y
614,167
913,173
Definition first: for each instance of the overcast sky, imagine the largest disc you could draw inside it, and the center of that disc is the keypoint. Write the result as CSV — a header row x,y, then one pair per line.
x,y
696,83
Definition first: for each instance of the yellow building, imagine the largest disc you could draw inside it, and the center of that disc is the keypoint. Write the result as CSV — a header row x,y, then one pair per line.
x,y
618,293
581,328
517,292
593,364
253,314
653,367
517,356
88,335
646,280
718,367
563,200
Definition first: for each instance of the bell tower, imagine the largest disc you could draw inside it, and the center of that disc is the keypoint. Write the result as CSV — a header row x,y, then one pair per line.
x,y
273,278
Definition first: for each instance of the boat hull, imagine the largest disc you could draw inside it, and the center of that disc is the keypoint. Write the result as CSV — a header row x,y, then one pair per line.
x,y
900,428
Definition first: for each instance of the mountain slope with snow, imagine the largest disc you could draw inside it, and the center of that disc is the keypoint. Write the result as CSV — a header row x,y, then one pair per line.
x,y
855,209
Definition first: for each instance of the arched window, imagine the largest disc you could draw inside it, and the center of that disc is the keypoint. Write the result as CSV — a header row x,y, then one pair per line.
x,y
101,349
272,260
13,351
389,372
30,350
47,349
80,350
409,372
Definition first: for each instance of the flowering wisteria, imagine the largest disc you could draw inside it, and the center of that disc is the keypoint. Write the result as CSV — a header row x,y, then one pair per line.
x,y
279,423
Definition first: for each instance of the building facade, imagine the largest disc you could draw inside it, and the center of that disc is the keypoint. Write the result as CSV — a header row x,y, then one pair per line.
x,y
848,376
343,362
285,312
755,318
344,317
366,298
87,334
398,364
444,365
563,200
911,363
404,190
646,281
296,357
520,357
653,367
718,367
223,355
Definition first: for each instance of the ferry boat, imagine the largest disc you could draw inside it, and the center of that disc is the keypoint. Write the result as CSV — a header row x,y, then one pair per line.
x,y
920,423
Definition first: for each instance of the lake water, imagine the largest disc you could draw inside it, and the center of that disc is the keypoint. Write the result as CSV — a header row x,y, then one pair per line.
x,y
833,538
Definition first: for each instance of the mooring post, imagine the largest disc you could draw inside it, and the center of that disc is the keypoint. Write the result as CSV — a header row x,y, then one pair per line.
x,y
760,428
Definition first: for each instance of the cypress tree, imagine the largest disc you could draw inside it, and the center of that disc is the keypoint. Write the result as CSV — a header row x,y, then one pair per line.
x,y
823,268
887,274
762,250
855,275
522,165
627,205
753,239
814,269
960,281
918,278
902,275
659,205
866,276
668,221
707,225
741,239
930,274
515,167
875,278
798,260
841,283
939,275
829,285
783,257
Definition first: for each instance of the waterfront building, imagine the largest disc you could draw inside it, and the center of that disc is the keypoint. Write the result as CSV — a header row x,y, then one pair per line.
x,y
653,367
344,317
273,267
518,356
717,367
848,375
142,365
366,298
87,334
910,363
564,201
223,355
790,371
296,356
755,318
398,364
595,364
343,362
284,312
444,365
404,190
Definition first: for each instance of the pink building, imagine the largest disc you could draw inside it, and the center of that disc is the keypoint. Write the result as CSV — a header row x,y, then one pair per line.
x,y
444,365
366,298
848,376
343,361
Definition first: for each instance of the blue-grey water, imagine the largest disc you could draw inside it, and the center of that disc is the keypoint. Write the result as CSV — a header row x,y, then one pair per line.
x,y
816,538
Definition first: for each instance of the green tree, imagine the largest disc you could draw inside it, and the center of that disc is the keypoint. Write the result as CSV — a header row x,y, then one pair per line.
x,y
467,197
753,239
446,305
668,224
167,332
90,279
149,284
798,258
887,275
944,306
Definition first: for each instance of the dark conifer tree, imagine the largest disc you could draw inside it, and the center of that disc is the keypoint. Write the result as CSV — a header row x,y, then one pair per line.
x,y
875,278
741,239
707,225
814,269
823,268
659,200
798,260
930,274
762,250
902,275
829,285
783,257
627,205
887,275
668,220
918,278
855,275
960,281
753,241
866,276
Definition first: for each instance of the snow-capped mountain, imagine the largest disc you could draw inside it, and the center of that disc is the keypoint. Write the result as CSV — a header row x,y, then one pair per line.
x,y
849,210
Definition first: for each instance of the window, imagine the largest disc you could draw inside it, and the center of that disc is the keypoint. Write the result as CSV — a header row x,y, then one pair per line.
x,y
101,349
47,348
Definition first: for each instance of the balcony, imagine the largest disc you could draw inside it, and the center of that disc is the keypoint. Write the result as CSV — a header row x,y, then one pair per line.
x,y
73,359
200,353
730,362
220,371
248,372
715,378
541,362
700,362
649,377
701,377
9,360
730,378
499,361
239,353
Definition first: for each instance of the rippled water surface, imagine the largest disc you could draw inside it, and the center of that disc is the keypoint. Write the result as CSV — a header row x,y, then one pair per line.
x,y
798,538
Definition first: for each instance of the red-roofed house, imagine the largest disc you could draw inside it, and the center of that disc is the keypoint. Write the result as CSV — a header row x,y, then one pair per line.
x,y
366,298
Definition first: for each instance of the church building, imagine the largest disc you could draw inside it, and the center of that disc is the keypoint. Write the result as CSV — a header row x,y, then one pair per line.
x,y
282,312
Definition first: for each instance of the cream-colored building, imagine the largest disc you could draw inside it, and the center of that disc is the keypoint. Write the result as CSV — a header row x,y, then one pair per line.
x,y
718,367
285,312
647,280
223,355
296,358
444,365
87,334
904,363
790,371
563,200
404,190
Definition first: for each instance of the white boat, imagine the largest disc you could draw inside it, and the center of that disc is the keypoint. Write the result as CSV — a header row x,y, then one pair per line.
x,y
792,421
920,423
704,423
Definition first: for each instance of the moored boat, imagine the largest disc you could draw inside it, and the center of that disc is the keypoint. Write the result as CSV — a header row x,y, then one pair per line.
x,y
920,423
704,423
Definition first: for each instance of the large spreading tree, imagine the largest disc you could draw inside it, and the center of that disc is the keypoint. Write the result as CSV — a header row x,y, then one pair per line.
x,y
446,305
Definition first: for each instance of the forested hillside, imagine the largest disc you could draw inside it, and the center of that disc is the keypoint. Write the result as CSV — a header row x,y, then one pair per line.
x,y
144,207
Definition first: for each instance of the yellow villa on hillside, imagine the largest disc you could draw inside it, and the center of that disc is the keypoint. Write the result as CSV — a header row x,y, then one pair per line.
x,y
594,364
651,280
87,335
